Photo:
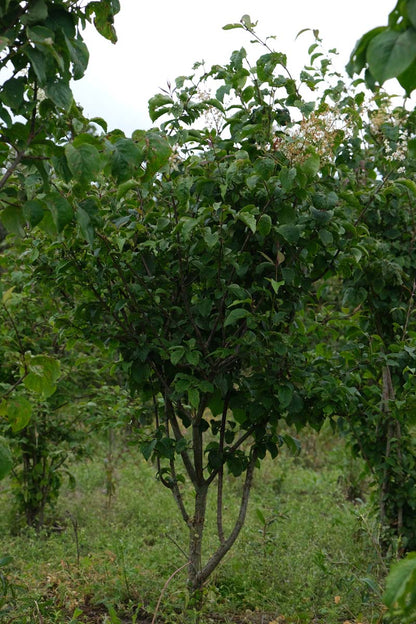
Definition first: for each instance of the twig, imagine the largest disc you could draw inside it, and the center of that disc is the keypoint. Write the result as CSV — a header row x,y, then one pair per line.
x,y
165,587
177,545
20,154
220,483
39,614
409,310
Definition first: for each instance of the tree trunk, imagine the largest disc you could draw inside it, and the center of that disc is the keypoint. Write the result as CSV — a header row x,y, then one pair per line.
x,y
390,515
196,531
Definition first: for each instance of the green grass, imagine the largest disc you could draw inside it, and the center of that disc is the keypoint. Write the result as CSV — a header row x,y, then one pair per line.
x,y
306,554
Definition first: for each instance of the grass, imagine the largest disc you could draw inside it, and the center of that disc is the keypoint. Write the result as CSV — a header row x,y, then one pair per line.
x,y
307,554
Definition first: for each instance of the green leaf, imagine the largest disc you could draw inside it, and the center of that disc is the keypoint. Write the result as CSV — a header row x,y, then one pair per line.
x,y
232,26
409,184
60,94
193,397
205,386
211,238
12,92
266,65
326,237
407,79
147,448
275,285
289,232
114,619
248,219
287,177
411,11
104,11
100,122
401,582
264,225
6,461
390,53
193,357
4,42
34,211
302,31
5,116
237,463
236,315
83,162
176,354
358,57
157,153
60,209
181,445
7,295
125,158
40,35
13,220
285,394
36,12
40,63
292,443
19,412
311,165
43,375
79,57
158,105
85,225
125,187
246,20
215,458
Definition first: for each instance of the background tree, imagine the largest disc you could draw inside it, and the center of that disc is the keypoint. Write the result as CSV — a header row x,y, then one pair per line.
x,y
41,51
56,389
371,353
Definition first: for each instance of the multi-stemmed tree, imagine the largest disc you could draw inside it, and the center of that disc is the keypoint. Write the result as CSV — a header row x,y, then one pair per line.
x,y
199,246
201,250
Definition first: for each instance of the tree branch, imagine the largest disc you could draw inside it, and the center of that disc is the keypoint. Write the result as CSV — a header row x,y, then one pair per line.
x,y
226,545
220,483
178,436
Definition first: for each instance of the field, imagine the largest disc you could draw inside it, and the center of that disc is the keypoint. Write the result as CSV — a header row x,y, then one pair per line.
x,y
308,553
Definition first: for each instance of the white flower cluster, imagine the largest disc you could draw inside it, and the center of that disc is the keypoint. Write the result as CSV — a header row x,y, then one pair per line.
x,y
318,132
399,155
212,117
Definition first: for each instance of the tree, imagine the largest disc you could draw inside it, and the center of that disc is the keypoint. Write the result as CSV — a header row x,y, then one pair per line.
x,y
56,389
368,364
201,249
41,51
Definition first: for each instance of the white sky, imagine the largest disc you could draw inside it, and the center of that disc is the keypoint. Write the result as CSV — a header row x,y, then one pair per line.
x,y
158,41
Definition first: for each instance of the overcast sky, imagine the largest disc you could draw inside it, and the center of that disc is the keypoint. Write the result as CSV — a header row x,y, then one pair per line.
x,y
158,41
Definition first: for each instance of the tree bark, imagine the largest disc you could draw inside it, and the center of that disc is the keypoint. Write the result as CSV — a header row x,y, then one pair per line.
x,y
196,531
